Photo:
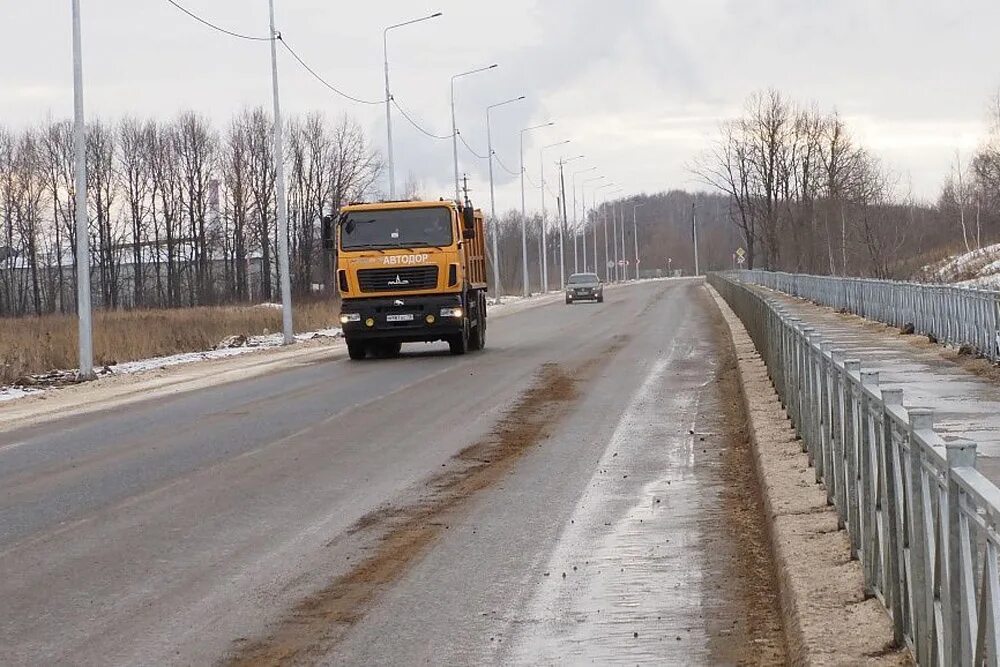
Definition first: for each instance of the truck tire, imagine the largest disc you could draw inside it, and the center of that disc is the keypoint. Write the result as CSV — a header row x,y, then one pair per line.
x,y
477,338
459,343
356,350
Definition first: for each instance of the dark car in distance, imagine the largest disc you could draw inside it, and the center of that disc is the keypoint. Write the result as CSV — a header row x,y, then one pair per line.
x,y
584,286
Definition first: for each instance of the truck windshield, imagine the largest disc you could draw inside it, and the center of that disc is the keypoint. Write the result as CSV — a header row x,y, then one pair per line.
x,y
400,228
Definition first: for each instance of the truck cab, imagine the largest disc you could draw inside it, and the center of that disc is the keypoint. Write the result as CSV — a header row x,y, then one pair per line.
x,y
409,272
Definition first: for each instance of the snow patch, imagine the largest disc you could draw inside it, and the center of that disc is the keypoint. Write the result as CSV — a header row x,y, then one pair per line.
x,y
977,268
249,344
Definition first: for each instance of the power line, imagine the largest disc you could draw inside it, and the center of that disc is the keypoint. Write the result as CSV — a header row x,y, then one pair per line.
x,y
321,79
502,165
530,182
219,28
415,123
471,150
283,43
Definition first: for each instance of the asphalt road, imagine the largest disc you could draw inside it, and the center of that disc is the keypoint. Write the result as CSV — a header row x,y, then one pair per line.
x,y
576,493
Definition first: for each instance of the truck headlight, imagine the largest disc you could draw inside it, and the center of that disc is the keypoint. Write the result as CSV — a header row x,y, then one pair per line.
x,y
451,312
350,317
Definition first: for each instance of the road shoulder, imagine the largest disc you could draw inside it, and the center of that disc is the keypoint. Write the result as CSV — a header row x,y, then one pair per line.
x,y
828,619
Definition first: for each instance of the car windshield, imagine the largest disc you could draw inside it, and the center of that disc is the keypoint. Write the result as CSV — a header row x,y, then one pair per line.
x,y
583,279
399,228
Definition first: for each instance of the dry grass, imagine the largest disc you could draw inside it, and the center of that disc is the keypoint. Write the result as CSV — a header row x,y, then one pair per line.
x,y
40,344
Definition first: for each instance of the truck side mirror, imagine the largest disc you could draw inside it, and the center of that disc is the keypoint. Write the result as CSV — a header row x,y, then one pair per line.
x,y
327,233
468,222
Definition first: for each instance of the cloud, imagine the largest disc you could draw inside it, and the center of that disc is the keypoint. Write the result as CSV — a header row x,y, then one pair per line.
x,y
639,85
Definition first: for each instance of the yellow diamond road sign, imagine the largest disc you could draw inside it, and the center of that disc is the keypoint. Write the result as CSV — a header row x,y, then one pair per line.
x,y
740,252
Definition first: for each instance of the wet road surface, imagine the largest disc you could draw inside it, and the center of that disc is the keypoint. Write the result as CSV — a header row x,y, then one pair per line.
x,y
422,510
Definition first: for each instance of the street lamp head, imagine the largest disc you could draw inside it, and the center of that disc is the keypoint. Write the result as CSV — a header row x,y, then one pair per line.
x,y
536,127
521,97
473,71
406,23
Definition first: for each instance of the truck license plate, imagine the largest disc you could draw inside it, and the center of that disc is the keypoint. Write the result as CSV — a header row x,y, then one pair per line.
x,y
404,317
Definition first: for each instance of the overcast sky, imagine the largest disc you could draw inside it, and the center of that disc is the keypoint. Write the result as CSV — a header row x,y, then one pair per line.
x,y
638,86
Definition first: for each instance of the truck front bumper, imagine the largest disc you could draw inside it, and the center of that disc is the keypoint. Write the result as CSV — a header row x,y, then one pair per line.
x,y
405,319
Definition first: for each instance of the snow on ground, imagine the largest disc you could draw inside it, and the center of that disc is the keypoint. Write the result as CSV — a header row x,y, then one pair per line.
x,y
977,268
252,343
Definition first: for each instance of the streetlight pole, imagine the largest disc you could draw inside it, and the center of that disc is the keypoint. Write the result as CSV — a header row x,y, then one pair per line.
x,y
493,206
562,225
541,187
524,215
388,97
604,213
621,213
583,235
279,179
614,233
576,223
84,326
454,127
635,237
694,235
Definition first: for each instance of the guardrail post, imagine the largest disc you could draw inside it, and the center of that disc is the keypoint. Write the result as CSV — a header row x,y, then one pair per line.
x,y
959,455
867,466
811,402
848,495
891,480
835,443
920,576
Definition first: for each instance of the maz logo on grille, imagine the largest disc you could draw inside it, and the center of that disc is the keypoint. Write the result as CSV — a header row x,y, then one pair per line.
x,y
401,279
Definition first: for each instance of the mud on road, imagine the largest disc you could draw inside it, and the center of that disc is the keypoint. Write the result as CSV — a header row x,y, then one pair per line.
x,y
401,535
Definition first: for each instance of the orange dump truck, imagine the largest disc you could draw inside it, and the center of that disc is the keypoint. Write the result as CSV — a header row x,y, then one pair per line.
x,y
411,271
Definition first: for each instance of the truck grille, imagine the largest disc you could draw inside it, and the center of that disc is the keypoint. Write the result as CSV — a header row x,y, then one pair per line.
x,y
398,280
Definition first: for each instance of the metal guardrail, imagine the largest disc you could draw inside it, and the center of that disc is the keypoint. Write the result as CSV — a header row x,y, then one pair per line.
x,y
954,315
923,522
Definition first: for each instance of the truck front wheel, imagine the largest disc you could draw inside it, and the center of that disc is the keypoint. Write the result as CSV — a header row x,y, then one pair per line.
x,y
356,351
459,343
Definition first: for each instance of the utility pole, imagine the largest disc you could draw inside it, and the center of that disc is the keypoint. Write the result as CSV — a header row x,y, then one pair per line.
x,y
625,265
583,228
279,177
576,224
607,256
614,239
84,325
562,229
694,237
388,98
541,187
524,215
454,126
493,206
583,235
635,237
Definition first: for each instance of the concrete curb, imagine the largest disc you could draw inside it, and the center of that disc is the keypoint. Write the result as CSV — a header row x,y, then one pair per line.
x,y
827,618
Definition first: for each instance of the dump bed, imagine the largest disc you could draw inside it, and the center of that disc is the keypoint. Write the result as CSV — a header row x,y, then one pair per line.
x,y
475,255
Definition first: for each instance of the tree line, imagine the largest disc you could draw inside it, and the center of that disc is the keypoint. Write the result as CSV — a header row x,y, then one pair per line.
x,y
180,212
